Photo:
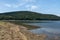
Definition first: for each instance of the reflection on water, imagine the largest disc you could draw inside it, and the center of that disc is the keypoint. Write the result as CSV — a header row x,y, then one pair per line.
x,y
48,27
46,30
50,32
48,24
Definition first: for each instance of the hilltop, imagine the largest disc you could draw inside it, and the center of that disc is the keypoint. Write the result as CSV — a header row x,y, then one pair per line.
x,y
27,15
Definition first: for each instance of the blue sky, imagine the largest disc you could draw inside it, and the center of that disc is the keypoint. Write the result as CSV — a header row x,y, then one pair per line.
x,y
42,6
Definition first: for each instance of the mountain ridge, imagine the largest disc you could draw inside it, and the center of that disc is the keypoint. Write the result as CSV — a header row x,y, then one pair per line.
x,y
27,15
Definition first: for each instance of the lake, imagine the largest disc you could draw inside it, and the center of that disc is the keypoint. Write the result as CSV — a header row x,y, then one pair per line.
x,y
47,27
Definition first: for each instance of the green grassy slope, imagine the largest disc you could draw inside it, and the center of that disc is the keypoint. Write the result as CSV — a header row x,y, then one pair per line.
x,y
27,15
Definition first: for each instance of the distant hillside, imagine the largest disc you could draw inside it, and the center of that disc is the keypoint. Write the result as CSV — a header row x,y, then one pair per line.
x,y
27,15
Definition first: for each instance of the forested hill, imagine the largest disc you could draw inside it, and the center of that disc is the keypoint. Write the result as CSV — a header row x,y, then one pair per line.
x,y
27,15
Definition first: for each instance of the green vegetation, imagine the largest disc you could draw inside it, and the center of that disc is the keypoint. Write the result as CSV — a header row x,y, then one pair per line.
x,y
27,15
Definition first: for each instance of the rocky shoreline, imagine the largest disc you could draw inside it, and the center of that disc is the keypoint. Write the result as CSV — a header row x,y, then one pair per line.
x,y
9,31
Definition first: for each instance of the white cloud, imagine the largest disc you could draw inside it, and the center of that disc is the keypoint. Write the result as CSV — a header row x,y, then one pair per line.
x,y
13,5
7,5
32,7
27,0
19,3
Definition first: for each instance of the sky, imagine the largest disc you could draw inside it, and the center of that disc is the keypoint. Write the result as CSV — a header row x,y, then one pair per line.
x,y
41,6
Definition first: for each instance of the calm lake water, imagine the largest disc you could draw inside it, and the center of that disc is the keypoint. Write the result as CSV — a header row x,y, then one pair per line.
x,y
47,27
